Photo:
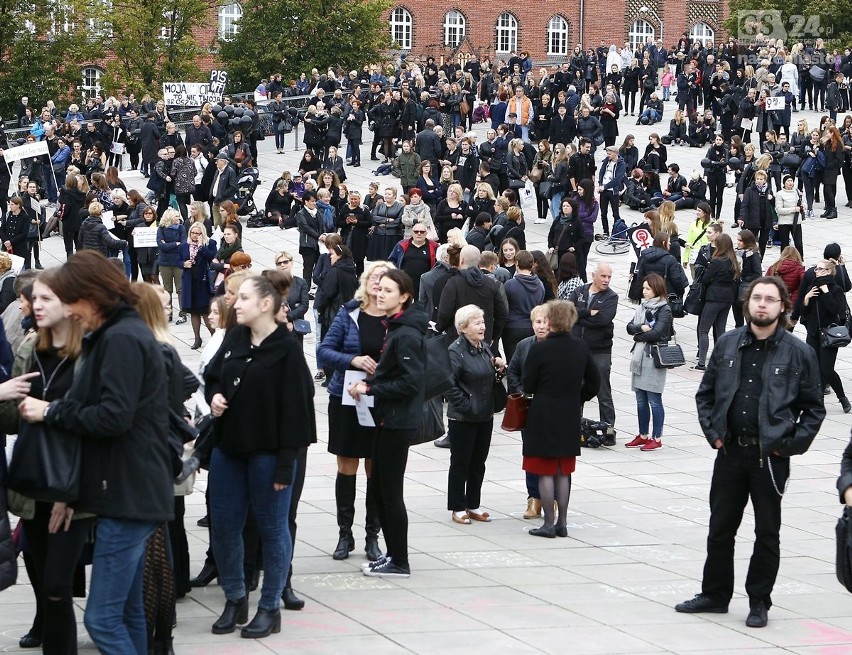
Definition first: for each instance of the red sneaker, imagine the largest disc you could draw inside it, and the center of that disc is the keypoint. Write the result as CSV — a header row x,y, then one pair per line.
x,y
638,441
651,444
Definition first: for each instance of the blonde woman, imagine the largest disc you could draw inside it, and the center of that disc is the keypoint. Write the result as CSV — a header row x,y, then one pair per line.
x,y
195,295
451,212
171,235
354,341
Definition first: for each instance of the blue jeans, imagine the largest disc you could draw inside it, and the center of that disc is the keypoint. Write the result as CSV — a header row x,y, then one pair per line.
x,y
235,483
115,613
50,181
525,133
651,115
556,204
649,403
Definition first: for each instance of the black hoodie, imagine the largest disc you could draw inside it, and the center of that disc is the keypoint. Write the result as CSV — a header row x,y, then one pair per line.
x,y
398,384
471,287
337,287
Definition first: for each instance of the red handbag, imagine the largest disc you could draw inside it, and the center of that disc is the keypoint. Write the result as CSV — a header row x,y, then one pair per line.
x,y
515,417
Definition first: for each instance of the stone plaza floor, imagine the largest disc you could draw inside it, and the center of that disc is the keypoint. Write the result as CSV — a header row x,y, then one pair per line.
x,y
637,526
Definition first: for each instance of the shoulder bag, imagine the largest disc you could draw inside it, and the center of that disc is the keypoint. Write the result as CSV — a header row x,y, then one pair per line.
x,y
515,417
675,301
498,388
834,335
45,463
667,355
843,534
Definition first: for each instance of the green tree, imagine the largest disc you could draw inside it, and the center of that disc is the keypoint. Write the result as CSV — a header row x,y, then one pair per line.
x,y
152,41
43,45
799,22
293,36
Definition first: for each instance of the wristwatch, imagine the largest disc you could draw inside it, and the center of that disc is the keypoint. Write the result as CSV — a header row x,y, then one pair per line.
x,y
46,411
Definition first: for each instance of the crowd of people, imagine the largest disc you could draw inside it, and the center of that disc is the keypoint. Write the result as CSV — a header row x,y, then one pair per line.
x,y
439,257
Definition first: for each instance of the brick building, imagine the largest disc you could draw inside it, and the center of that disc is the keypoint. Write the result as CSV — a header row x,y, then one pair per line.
x,y
547,29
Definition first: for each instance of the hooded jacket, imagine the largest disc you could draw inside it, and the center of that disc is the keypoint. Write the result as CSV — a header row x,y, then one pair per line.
x,y
523,292
470,286
657,260
337,288
95,236
398,384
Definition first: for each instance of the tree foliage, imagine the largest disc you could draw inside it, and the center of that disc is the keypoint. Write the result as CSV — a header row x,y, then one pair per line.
x,y
43,45
152,41
294,36
799,22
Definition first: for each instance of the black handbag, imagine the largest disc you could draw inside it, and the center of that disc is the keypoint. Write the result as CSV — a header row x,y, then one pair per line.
x,y
517,184
431,423
500,394
439,370
46,463
834,335
843,534
694,301
676,305
667,355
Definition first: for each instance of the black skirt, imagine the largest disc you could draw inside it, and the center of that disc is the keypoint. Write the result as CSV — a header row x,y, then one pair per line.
x,y
347,437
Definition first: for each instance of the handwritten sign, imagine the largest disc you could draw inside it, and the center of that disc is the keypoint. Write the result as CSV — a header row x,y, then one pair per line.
x,y
775,103
218,80
145,237
33,149
189,94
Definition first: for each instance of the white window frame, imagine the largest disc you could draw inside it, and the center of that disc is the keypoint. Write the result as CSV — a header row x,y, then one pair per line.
x,y
702,33
228,16
455,25
557,35
639,33
62,18
91,90
507,33
402,27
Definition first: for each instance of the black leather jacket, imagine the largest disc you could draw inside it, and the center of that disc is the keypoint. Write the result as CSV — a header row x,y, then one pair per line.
x,y
472,397
791,407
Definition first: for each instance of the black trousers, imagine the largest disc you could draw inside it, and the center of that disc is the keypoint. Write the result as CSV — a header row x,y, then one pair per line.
x,y
390,457
786,231
608,198
715,189
53,559
469,446
827,358
739,474
309,260
298,485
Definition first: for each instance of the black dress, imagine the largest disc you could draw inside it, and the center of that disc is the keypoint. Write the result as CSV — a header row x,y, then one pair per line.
x,y
347,437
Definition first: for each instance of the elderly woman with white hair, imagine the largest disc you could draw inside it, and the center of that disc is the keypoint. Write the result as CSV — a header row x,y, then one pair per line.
x,y
471,414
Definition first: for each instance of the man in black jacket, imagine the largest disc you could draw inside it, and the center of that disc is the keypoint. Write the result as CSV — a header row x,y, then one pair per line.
x,y
757,414
471,287
597,305
198,134
428,145
581,165
223,188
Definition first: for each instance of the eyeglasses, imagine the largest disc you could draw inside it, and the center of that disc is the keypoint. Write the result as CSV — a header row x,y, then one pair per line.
x,y
194,232
283,262
418,231
822,268
769,300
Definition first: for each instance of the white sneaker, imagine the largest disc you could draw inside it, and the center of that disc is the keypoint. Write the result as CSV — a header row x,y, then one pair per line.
x,y
539,221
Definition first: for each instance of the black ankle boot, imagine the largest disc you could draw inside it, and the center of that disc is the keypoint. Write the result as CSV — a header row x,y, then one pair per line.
x,y
290,599
344,493
234,614
372,527
207,575
264,623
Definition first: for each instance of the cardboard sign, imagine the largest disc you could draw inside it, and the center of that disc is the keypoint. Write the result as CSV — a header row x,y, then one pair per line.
x,y
775,103
117,148
188,94
27,150
145,237
218,80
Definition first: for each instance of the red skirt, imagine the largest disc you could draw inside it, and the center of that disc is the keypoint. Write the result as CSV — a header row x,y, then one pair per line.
x,y
549,465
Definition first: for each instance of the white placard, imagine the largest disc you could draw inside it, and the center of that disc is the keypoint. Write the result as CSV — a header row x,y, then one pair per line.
x,y
27,150
145,237
362,410
17,263
350,378
775,103
107,220
189,94
117,148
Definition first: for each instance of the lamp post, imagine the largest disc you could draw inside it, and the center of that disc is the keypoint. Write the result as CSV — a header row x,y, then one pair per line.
x,y
645,9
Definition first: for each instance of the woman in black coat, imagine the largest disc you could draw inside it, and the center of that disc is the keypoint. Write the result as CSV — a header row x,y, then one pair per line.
x,y
824,304
832,148
551,439
353,123
15,226
262,429
398,387
71,201
338,287
354,221
566,233
386,115
720,285
470,414
757,211
657,259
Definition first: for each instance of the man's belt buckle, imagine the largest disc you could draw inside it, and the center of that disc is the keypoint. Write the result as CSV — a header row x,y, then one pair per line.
x,y
745,441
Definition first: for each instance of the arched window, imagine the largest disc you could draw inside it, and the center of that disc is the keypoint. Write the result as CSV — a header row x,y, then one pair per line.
x,y
400,27
91,81
702,33
557,36
454,27
640,32
507,33
228,17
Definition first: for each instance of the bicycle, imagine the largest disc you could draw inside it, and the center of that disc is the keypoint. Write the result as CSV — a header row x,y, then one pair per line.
x,y
612,246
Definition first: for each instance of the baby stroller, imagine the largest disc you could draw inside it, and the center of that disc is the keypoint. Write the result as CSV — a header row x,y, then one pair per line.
x,y
244,197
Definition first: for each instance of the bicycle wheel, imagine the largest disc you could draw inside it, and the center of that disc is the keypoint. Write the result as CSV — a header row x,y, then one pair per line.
x,y
612,247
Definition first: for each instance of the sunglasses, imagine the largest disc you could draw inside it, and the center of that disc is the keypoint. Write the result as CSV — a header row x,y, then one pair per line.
x,y
281,262
418,231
